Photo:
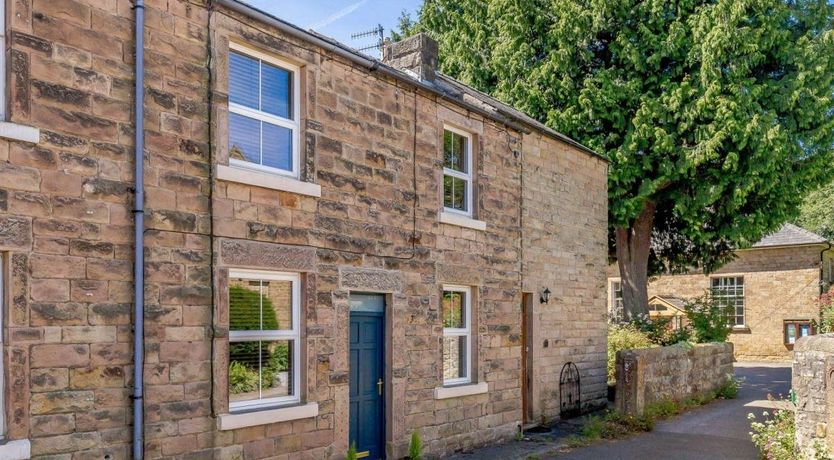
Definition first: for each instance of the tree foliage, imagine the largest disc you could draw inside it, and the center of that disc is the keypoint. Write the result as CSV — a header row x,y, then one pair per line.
x,y
717,116
406,27
817,211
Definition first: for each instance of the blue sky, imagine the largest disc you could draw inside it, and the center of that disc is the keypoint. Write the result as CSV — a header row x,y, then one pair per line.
x,y
339,18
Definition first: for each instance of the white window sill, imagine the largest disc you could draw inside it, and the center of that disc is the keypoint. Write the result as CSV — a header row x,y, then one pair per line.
x,y
267,180
15,450
263,417
460,390
18,132
462,221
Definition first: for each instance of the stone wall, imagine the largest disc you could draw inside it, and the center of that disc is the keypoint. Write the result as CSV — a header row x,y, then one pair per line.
x,y
372,145
813,382
779,284
649,375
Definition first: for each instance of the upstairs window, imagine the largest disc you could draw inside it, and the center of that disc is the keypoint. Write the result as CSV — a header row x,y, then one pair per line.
x,y
457,335
457,171
263,112
729,291
263,339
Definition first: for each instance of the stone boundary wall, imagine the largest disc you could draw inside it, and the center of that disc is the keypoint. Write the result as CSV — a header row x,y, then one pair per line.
x,y
646,376
813,373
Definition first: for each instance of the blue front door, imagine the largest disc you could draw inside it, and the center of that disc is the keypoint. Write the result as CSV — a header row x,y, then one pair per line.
x,y
367,386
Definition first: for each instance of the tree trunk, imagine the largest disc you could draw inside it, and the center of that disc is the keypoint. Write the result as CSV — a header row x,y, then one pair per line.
x,y
633,247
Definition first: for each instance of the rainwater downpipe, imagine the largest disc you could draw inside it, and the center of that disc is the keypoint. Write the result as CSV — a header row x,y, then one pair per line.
x,y
139,235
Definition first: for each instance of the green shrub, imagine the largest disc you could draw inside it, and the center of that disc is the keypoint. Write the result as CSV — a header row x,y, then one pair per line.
x,y
242,379
662,409
826,304
614,425
623,337
775,435
729,389
415,447
710,320
660,331
351,453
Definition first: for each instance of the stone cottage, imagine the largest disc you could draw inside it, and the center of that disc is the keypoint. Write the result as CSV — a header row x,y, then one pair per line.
x,y
772,286
335,249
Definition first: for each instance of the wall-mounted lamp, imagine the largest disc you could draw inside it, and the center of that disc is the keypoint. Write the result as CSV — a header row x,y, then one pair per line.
x,y
545,298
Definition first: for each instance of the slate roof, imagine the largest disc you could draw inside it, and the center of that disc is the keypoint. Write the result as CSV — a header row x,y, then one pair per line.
x,y
790,235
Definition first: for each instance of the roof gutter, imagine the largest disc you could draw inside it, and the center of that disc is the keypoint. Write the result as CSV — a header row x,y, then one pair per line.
x,y
374,65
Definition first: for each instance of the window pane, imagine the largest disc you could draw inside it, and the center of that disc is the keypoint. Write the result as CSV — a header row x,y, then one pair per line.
x,y
276,370
454,358
244,138
454,310
260,305
455,151
277,305
243,80
260,369
454,193
791,333
277,147
245,303
804,330
244,371
276,91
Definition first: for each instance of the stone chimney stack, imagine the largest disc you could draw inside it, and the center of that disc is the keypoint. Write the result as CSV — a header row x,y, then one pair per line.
x,y
416,55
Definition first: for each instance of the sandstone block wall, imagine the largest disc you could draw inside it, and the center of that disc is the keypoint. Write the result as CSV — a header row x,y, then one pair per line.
x,y
649,375
565,250
66,235
779,284
813,382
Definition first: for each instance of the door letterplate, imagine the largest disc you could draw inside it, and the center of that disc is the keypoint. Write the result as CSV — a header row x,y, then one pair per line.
x,y
363,454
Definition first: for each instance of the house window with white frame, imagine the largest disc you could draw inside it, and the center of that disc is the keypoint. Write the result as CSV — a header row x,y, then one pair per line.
x,y
263,112
457,171
729,291
457,335
264,339
616,298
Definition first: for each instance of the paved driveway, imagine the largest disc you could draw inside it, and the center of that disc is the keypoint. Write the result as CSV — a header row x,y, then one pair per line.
x,y
719,430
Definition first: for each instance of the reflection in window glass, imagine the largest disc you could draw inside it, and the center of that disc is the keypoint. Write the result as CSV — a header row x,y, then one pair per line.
x,y
263,339
457,335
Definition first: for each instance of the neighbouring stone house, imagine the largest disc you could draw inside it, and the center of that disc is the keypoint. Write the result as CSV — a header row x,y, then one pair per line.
x,y
773,287
335,249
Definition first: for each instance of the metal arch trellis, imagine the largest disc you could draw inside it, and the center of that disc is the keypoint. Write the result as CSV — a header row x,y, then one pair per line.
x,y
570,394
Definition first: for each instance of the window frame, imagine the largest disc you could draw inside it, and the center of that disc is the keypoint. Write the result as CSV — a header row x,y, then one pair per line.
x,y
797,323
459,332
293,335
614,288
466,177
294,125
4,115
3,278
743,295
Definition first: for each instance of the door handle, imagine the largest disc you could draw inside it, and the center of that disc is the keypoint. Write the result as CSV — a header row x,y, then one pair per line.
x,y
379,384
